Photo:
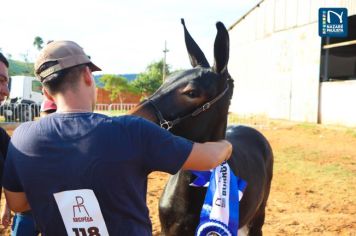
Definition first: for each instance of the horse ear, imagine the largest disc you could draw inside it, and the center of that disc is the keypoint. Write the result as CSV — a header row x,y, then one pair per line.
x,y
221,49
196,55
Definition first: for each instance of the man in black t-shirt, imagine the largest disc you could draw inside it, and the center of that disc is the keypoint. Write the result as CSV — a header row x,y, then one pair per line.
x,y
4,92
91,169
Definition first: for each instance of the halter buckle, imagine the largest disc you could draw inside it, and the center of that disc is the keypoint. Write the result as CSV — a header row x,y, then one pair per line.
x,y
166,124
206,106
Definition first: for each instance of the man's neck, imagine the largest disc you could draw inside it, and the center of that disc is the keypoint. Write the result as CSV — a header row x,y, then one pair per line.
x,y
74,111
73,104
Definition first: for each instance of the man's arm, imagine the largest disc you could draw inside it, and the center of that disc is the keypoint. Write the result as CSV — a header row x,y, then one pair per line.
x,y
17,201
206,156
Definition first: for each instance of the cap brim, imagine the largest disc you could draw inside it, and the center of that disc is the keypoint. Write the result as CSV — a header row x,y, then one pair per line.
x,y
94,67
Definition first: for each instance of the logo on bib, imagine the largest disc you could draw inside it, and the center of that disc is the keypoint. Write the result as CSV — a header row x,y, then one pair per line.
x,y
80,213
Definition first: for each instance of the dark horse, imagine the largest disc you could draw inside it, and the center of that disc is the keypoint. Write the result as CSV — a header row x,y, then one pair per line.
x,y
194,104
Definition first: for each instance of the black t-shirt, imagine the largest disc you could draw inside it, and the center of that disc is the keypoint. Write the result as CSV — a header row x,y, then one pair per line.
x,y
88,167
4,142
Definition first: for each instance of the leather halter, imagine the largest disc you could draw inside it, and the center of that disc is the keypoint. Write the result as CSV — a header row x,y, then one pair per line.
x,y
168,124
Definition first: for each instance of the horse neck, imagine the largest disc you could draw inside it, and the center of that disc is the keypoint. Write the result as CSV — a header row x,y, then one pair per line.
x,y
220,129
217,133
222,111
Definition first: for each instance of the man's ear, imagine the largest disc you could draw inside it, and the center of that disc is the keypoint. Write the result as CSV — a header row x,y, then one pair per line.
x,y
47,95
88,77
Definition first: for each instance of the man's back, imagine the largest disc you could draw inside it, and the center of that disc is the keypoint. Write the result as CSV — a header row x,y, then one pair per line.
x,y
77,151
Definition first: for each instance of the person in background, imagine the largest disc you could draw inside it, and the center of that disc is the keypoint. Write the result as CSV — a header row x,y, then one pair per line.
x,y
48,107
23,223
91,169
4,137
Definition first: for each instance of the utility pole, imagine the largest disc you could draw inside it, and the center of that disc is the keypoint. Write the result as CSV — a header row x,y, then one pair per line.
x,y
164,60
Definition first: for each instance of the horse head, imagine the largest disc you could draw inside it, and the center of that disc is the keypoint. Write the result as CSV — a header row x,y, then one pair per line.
x,y
194,103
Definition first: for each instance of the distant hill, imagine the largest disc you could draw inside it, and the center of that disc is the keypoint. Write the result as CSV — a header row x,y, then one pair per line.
x,y
20,68
129,77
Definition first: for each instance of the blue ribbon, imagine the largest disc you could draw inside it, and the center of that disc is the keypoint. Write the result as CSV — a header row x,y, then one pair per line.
x,y
220,211
202,180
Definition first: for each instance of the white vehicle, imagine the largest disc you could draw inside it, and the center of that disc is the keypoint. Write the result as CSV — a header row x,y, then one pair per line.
x,y
26,88
24,101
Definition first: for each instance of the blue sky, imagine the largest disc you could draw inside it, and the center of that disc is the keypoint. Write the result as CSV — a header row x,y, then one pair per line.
x,y
120,36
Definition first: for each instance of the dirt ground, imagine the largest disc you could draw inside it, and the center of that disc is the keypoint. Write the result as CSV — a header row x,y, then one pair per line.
x,y
313,188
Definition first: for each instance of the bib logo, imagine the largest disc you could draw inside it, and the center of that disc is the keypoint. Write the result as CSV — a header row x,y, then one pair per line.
x,y
333,22
80,213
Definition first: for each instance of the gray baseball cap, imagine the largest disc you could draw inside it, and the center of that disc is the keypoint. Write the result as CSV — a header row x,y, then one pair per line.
x,y
66,53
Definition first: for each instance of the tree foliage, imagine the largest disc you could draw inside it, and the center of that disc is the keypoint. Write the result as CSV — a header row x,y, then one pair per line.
x,y
38,42
150,80
116,85
20,68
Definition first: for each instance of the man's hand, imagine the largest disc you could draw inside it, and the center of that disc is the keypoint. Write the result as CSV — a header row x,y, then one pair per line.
x,y
6,216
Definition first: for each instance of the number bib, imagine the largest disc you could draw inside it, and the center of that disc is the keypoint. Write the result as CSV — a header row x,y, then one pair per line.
x,y
81,213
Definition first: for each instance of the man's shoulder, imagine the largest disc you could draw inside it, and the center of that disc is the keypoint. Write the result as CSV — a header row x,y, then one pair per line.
x,y
134,122
24,130
132,127
127,118
25,126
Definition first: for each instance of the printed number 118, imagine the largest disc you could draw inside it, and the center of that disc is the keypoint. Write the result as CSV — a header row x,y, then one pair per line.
x,y
92,231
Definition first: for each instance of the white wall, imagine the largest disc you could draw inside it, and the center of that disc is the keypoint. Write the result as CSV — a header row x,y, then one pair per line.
x,y
276,71
275,59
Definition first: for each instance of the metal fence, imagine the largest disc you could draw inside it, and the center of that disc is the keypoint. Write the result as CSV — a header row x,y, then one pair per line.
x,y
19,112
102,107
115,107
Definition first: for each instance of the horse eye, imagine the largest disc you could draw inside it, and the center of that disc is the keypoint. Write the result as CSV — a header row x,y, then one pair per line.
x,y
192,93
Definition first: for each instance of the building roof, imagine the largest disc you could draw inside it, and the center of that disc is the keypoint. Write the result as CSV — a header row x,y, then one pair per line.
x,y
243,17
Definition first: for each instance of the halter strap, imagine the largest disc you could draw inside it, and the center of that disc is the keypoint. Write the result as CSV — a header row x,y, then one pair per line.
x,y
166,124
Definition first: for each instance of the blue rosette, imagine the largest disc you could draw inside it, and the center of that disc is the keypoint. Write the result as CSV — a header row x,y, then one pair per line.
x,y
213,227
220,211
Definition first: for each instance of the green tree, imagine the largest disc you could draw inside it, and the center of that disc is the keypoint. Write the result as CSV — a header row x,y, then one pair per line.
x,y
150,80
116,85
38,43
20,68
